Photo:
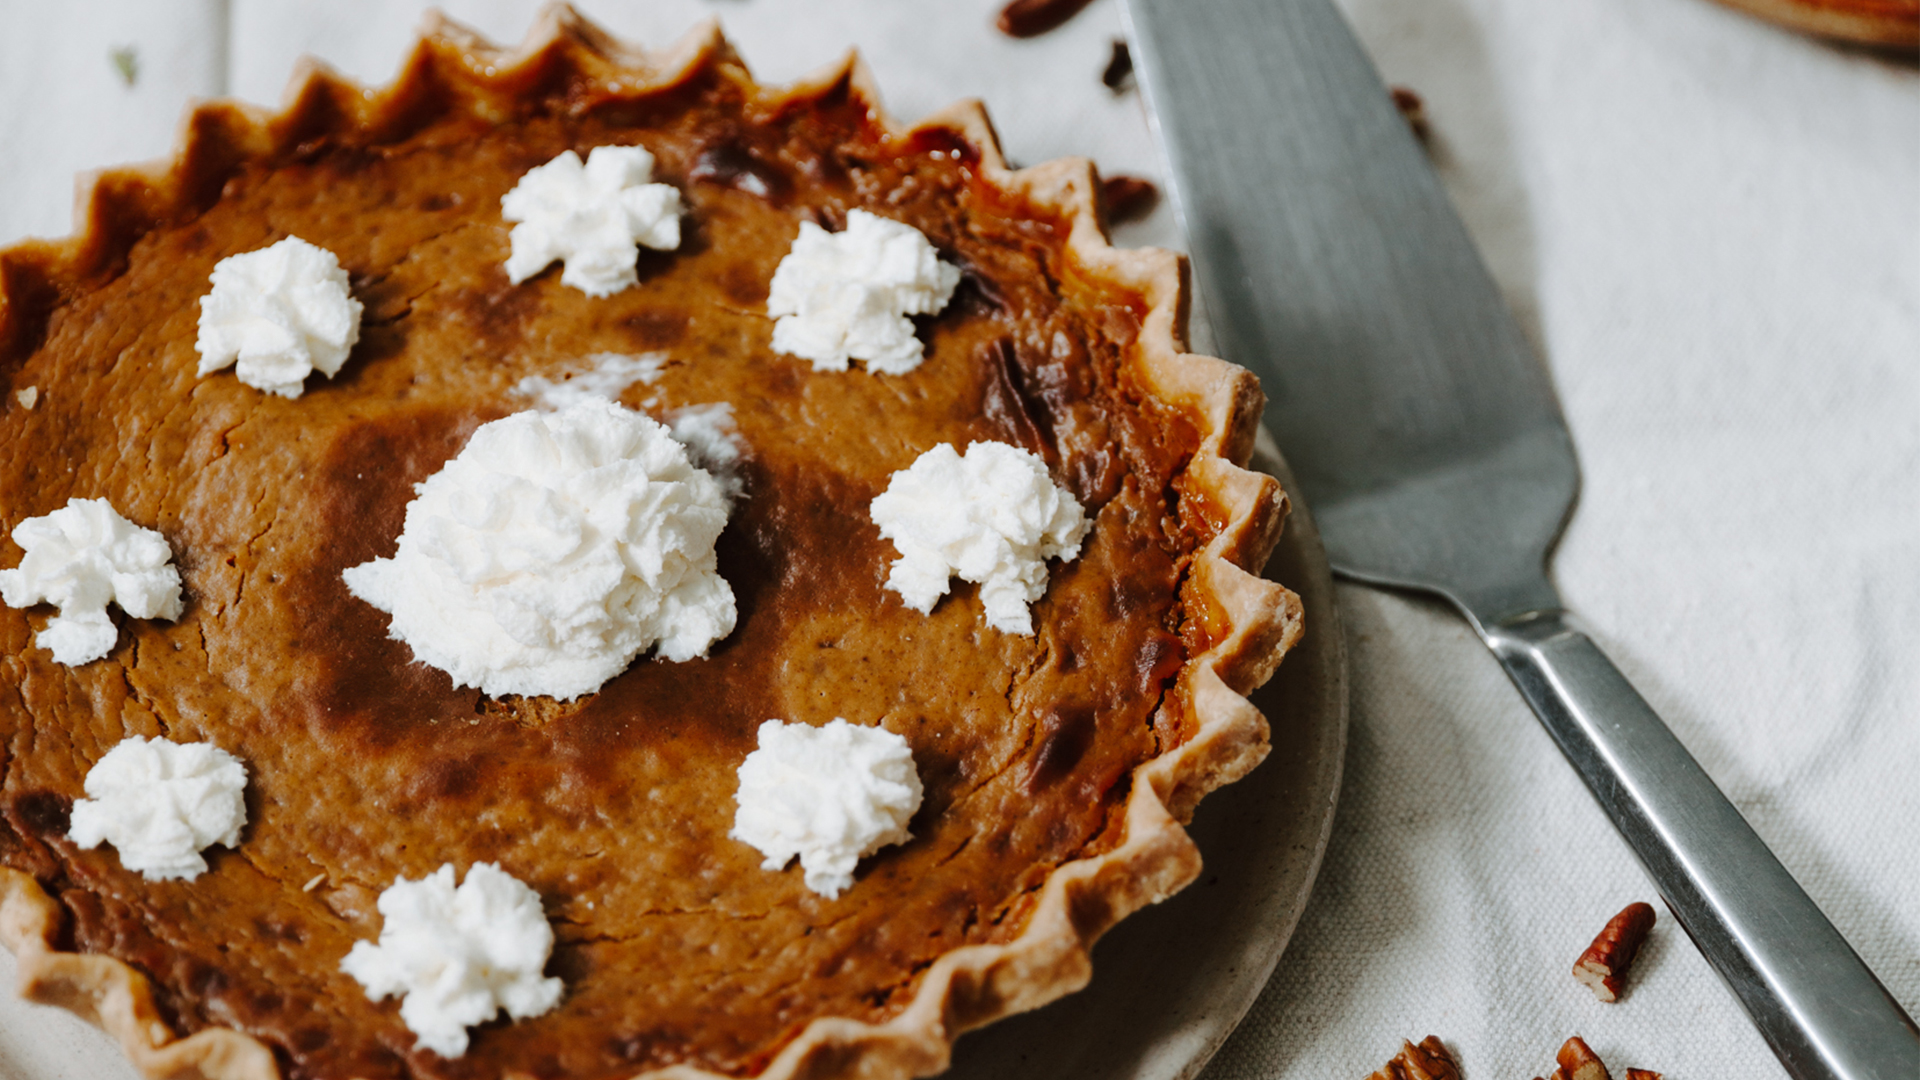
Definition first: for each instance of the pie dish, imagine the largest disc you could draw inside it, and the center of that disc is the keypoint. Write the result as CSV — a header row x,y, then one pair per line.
x,y
1058,768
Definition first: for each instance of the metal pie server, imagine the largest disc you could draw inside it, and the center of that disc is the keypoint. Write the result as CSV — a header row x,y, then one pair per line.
x,y
1426,437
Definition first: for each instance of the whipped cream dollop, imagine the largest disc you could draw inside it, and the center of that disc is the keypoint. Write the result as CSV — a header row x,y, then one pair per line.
x,y
847,295
82,557
552,550
831,795
282,312
712,439
160,804
604,378
992,516
592,216
707,430
457,956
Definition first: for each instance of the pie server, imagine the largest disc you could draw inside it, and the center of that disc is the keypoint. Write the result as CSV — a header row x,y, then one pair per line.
x,y
1426,437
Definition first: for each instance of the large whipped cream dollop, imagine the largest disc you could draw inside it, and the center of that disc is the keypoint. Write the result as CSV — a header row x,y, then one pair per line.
x,y
713,441
831,795
283,312
847,295
82,557
457,956
707,430
160,804
992,516
552,550
591,216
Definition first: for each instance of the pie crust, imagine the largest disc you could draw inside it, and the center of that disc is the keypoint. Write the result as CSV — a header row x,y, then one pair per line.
x,y
1893,24
1243,625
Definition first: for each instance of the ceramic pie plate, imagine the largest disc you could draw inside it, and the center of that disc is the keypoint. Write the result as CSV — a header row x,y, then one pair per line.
x,y
1170,982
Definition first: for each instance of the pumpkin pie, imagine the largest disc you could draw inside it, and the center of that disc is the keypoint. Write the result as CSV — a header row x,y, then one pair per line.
x,y
1057,767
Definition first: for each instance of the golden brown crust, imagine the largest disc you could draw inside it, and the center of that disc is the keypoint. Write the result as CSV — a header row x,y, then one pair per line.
x,y
1891,23
1246,624
114,997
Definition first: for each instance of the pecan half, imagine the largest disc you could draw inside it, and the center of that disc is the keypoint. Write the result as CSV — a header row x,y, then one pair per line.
x,y
1603,967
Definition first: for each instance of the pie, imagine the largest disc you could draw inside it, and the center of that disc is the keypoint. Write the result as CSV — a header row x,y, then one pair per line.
x,y
1888,23
1057,767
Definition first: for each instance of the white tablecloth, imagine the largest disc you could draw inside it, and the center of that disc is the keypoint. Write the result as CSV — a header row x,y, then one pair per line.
x,y
1711,230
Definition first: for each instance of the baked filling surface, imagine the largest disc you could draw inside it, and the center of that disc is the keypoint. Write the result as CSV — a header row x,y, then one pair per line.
x,y
675,946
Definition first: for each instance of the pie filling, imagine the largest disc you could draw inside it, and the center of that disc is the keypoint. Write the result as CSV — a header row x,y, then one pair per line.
x,y
673,943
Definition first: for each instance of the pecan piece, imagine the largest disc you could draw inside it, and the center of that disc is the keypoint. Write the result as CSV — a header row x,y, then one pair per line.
x,y
1642,1074
1412,110
1427,1061
1577,1061
1119,72
1030,18
1128,198
1603,967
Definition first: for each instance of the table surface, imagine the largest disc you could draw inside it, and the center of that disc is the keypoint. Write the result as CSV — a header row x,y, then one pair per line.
x,y
1709,227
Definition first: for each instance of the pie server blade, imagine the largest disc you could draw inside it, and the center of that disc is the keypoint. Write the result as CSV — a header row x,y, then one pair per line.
x,y
1426,438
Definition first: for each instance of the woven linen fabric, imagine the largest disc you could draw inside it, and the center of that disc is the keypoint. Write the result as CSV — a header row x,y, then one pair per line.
x,y
1709,227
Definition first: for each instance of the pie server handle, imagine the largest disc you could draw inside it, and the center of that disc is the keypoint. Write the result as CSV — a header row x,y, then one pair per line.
x,y
1817,1004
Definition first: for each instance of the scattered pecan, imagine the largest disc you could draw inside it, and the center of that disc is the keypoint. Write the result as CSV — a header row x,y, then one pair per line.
x,y
1128,198
1578,1062
1119,68
1412,110
1427,1061
1603,967
1030,18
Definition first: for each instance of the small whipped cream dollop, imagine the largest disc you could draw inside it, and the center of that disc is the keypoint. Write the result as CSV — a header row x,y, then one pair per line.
x,y
591,216
831,795
82,557
552,550
847,295
992,516
160,804
606,376
457,956
282,312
